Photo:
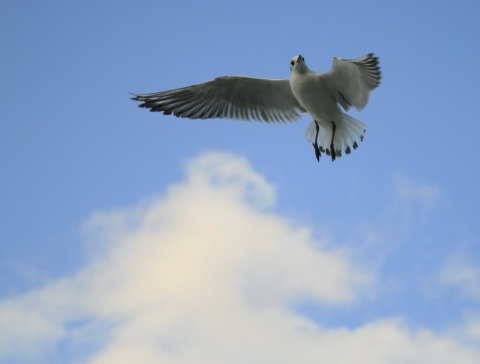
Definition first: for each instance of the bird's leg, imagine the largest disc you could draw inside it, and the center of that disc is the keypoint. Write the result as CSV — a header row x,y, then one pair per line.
x,y
315,145
332,147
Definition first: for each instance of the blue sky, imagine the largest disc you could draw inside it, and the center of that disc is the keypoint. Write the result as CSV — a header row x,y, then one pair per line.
x,y
128,234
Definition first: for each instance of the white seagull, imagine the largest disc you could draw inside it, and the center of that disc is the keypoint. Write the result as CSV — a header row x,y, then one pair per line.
x,y
347,84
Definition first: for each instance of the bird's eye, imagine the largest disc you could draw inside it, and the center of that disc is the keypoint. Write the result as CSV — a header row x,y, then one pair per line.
x,y
303,59
292,63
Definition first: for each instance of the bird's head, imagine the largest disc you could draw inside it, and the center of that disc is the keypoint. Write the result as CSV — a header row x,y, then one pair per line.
x,y
298,64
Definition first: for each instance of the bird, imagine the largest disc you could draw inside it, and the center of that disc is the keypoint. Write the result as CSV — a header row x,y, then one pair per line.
x,y
321,95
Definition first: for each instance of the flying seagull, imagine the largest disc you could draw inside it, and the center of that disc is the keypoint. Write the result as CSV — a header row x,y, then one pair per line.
x,y
347,84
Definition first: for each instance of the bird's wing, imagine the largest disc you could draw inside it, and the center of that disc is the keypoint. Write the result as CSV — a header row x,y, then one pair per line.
x,y
231,97
350,81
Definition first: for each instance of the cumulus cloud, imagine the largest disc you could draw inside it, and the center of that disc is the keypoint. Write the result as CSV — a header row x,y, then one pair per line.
x,y
408,190
461,274
208,273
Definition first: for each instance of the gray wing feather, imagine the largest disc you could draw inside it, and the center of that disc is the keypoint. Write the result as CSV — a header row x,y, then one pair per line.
x,y
231,97
351,81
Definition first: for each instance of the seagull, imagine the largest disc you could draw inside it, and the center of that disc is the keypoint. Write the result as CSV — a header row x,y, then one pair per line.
x,y
347,84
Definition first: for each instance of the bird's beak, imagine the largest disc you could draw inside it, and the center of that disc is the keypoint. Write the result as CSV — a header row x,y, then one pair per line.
x,y
299,58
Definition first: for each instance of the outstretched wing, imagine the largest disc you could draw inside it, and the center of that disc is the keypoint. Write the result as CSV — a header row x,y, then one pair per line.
x,y
231,97
350,81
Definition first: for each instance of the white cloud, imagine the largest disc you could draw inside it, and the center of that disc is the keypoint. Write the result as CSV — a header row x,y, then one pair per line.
x,y
208,274
409,190
460,273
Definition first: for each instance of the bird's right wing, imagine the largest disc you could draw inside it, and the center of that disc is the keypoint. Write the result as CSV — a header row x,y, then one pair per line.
x,y
350,81
231,97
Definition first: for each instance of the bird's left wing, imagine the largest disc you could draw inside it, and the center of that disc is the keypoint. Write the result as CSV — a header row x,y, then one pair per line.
x,y
230,97
350,81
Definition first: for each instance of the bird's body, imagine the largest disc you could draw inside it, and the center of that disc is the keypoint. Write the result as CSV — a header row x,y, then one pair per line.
x,y
347,84
311,92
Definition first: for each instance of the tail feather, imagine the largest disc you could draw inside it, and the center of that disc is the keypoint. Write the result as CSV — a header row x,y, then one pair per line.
x,y
348,131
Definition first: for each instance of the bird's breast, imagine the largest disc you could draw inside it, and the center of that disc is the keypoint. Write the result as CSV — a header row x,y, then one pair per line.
x,y
311,93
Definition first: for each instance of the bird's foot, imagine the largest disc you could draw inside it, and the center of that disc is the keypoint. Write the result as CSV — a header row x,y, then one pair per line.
x,y
317,151
333,154
332,147
315,145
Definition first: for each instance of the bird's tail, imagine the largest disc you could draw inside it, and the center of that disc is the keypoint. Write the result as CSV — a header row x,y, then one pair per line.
x,y
347,131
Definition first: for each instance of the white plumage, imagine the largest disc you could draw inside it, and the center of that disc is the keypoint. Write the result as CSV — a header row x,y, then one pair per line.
x,y
347,84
